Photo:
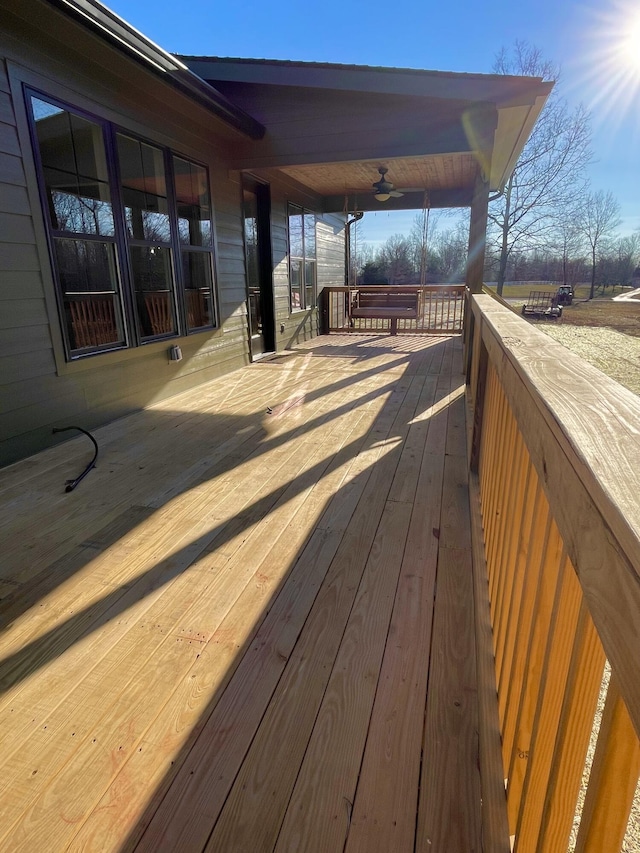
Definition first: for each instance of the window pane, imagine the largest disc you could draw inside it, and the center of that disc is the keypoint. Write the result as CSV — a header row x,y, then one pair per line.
x,y
43,109
309,235
144,190
85,266
198,281
252,260
310,283
296,285
93,321
194,205
152,280
251,248
87,273
147,217
295,232
75,170
153,169
88,145
88,212
54,136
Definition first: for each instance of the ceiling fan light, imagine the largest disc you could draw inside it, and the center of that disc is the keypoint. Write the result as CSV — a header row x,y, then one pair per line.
x,y
382,196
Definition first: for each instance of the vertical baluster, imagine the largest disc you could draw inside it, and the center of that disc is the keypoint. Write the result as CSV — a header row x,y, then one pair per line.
x,y
613,779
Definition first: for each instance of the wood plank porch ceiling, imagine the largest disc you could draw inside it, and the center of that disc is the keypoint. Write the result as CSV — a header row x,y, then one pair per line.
x,y
229,637
436,172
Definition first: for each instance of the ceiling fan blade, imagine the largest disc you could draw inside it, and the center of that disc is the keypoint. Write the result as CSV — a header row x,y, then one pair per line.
x,y
396,194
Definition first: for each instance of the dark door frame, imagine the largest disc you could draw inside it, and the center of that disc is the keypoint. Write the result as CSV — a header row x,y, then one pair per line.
x,y
262,193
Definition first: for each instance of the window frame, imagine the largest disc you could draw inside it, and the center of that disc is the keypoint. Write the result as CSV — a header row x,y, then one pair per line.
x,y
302,260
124,279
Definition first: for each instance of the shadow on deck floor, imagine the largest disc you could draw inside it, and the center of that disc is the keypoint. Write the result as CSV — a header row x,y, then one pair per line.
x,y
230,636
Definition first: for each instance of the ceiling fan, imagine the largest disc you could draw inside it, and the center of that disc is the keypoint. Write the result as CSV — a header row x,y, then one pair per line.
x,y
384,189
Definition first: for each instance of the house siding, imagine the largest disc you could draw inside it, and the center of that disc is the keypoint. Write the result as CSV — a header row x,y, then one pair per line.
x,y
38,388
27,364
330,247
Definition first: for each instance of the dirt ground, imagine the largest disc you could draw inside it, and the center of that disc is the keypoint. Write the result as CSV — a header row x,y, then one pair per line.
x,y
604,333
615,353
604,313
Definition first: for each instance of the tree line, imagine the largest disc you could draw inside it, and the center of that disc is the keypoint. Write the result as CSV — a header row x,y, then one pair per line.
x,y
567,258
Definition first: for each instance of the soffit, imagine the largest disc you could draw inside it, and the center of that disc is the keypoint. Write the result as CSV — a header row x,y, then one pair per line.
x,y
440,172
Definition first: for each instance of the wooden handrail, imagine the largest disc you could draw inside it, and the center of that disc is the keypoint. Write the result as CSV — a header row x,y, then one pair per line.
x,y
556,445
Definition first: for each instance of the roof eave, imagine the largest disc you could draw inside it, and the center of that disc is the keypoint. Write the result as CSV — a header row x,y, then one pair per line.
x,y
499,89
120,34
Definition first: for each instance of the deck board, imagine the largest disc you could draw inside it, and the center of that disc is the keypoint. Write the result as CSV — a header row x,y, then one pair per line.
x,y
222,639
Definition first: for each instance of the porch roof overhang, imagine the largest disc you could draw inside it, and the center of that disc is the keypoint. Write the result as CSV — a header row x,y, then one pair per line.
x,y
329,127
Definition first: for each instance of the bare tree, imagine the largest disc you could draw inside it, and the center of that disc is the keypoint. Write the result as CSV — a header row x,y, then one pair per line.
x,y
568,241
550,171
599,219
628,256
360,252
422,236
617,261
395,256
451,248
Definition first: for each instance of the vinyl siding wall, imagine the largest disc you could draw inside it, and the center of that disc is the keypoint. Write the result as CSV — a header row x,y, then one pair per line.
x,y
38,389
330,262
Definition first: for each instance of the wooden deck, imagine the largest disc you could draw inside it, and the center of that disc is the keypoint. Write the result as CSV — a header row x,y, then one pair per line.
x,y
230,636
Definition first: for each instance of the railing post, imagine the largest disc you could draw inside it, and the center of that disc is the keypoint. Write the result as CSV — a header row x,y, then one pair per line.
x,y
324,303
475,257
477,378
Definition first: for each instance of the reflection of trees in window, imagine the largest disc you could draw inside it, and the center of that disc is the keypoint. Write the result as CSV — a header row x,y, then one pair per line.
x,y
194,205
146,209
302,258
85,266
165,225
144,190
82,214
76,182
196,240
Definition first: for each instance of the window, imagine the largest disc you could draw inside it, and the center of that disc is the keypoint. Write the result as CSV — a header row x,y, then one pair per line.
x,y
196,240
148,229
73,166
130,232
302,258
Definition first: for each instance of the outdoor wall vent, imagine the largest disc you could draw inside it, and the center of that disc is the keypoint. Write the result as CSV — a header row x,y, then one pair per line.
x,y
175,353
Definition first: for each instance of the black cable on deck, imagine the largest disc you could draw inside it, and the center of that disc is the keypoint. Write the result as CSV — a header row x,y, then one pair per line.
x,y
71,484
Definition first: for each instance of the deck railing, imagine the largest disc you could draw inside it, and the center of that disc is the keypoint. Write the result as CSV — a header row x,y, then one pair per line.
x,y
440,309
555,467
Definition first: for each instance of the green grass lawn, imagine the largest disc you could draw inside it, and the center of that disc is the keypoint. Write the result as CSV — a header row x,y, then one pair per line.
x,y
600,312
522,289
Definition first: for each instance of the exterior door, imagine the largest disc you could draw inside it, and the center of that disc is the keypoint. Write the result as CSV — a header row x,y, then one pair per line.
x,y
257,246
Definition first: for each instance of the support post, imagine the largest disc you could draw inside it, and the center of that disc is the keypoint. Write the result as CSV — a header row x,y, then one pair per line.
x,y
475,257
477,235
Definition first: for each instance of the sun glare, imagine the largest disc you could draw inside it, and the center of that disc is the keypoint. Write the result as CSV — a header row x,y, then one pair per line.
x,y
610,64
630,46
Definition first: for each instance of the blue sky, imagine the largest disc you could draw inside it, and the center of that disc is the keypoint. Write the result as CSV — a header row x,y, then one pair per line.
x,y
596,42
